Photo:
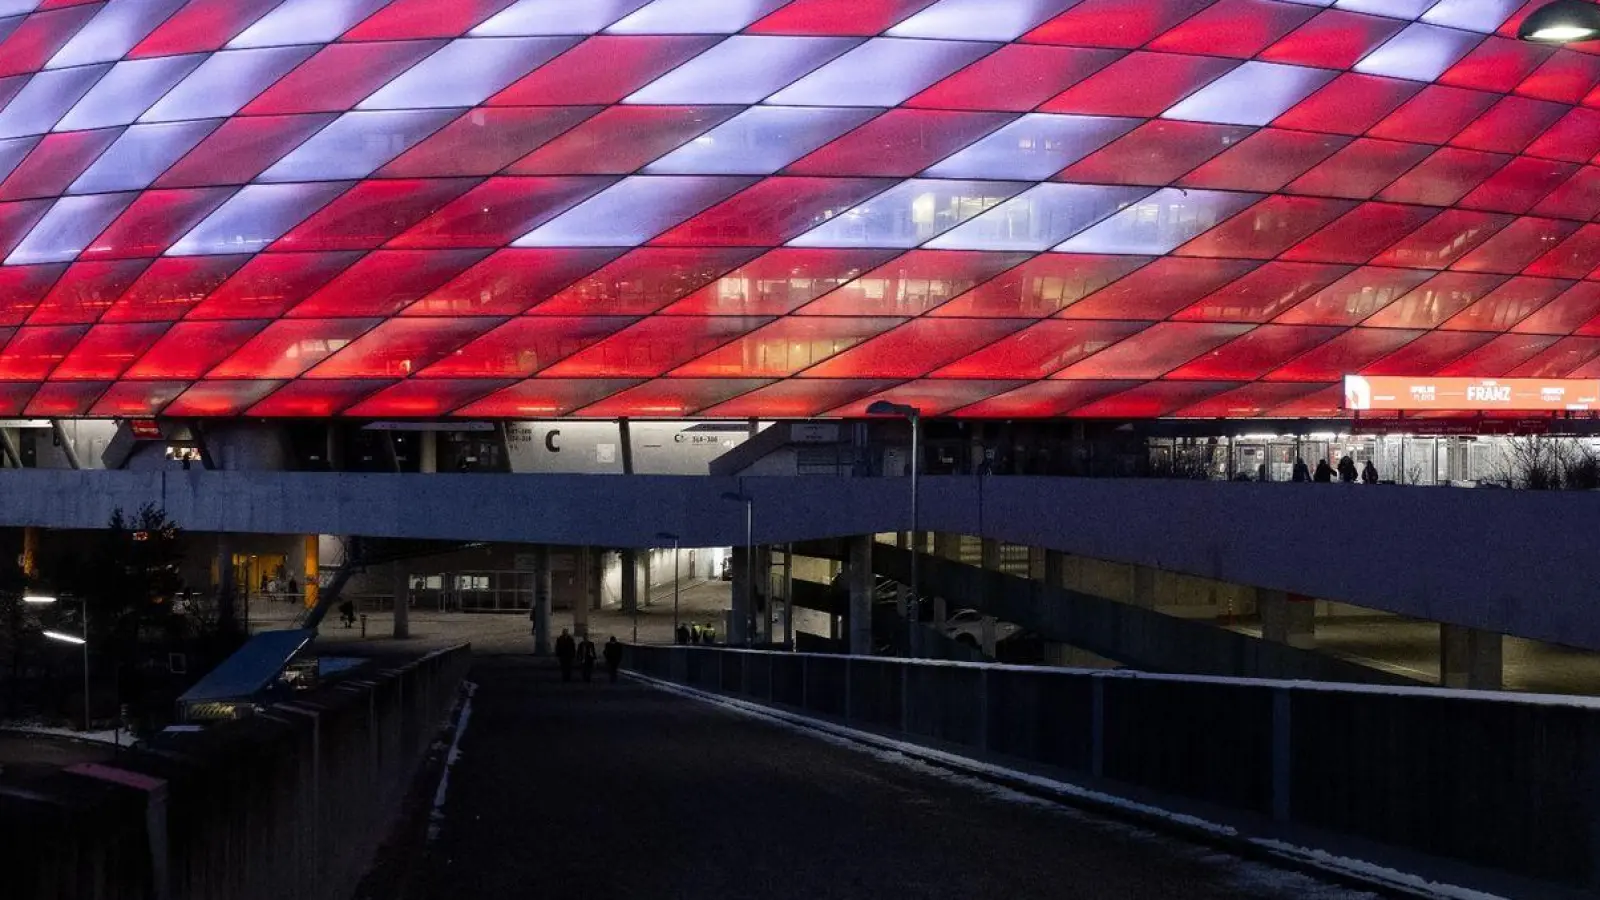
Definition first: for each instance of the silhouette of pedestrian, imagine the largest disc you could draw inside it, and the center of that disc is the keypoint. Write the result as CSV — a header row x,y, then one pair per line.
x,y
1347,469
1369,473
1301,473
586,658
565,651
1324,473
613,653
683,634
694,634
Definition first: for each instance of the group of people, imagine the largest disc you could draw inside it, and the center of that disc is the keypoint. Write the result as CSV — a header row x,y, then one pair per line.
x,y
695,633
1345,472
570,652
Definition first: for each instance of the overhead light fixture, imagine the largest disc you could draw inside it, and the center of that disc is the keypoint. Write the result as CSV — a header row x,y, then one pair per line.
x,y
1561,22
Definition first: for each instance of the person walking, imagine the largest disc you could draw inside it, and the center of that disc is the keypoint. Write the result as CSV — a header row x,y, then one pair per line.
x,y
1347,469
1301,472
613,654
710,634
695,634
586,658
565,651
1324,473
1369,473
683,633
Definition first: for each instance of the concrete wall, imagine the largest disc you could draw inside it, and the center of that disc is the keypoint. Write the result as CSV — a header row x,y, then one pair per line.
x,y
1512,562
1492,780
292,802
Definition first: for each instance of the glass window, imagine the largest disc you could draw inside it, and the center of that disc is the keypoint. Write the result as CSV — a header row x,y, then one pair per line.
x,y
785,347
1159,289
313,399
220,398
914,283
759,141
1154,351
621,139
633,211
498,210
510,281
68,228
772,211
657,344
372,213
401,347
138,156
170,287
55,161
915,348
880,72
357,144
339,76
288,347
1160,222
909,213
386,281
525,345
271,283
126,92
255,217
900,142
466,72
744,69
1042,286
188,349
1039,219
153,222
225,82
241,149
1033,147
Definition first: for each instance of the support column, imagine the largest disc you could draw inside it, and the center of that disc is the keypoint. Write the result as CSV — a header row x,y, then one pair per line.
x,y
541,600
945,546
1036,563
580,603
1055,568
630,581
992,557
226,621
30,552
597,578
1144,587
788,596
646,579
861,595
1287,618
402,601
902,592
739,597
312,571
427,452
1470,658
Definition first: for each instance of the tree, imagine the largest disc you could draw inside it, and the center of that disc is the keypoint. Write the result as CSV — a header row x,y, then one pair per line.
x,y
130,579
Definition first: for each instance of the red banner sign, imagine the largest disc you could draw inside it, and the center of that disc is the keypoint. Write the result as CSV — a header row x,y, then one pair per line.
x,y
1381,392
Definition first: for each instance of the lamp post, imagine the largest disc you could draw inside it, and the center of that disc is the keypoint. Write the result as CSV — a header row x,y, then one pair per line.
x,y
1561,22
66,638
886,408
669,536
749,559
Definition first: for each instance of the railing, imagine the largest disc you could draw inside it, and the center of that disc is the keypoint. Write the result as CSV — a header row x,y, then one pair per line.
x,y
1499,780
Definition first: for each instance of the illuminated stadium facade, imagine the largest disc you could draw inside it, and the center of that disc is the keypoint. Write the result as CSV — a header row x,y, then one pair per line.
x,y
505,209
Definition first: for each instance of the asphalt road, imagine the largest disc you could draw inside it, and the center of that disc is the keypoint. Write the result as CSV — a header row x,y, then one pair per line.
x,y
629,792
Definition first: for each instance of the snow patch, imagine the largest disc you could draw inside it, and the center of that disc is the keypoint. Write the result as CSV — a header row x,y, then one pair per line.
x,y
442,792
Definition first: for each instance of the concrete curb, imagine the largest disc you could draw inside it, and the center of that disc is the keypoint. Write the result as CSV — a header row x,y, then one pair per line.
x,y
1358,874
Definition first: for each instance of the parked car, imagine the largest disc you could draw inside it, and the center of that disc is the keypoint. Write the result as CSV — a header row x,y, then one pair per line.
x,y
966,626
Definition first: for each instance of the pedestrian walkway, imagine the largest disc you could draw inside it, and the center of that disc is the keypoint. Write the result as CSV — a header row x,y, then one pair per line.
x,y
626,791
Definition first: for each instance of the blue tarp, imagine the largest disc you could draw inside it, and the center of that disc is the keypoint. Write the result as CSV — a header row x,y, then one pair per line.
x,y
251,668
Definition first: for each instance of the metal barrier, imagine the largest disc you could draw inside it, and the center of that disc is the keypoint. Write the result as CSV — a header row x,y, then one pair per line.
x,y
1493,779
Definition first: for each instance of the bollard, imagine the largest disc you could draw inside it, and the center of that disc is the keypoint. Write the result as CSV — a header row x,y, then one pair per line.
x,y
363,624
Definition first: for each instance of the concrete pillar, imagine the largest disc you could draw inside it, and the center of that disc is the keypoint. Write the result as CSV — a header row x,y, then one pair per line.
x,y
1055,568
1036,563
646,579
902,593
427,452
226,621
861,595
1470,658
945,546
739,598
402,601
1144,587
580,603
30,552
630,581
1287,618
541,600
597,577
788,597
993,557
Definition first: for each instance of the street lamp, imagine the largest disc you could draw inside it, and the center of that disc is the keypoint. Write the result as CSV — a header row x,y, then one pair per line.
x,y
905,411
1561,22
669,536
66,638
749,559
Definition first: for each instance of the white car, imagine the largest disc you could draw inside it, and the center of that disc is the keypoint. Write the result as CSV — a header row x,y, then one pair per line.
x,y
966,626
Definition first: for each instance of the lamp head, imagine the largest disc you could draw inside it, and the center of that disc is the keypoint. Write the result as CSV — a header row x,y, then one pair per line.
x,y
886,408
1561,22
64,637
39,599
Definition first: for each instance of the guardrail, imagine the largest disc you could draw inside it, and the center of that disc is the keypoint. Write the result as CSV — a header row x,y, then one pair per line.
x,y
1492,779
290,802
